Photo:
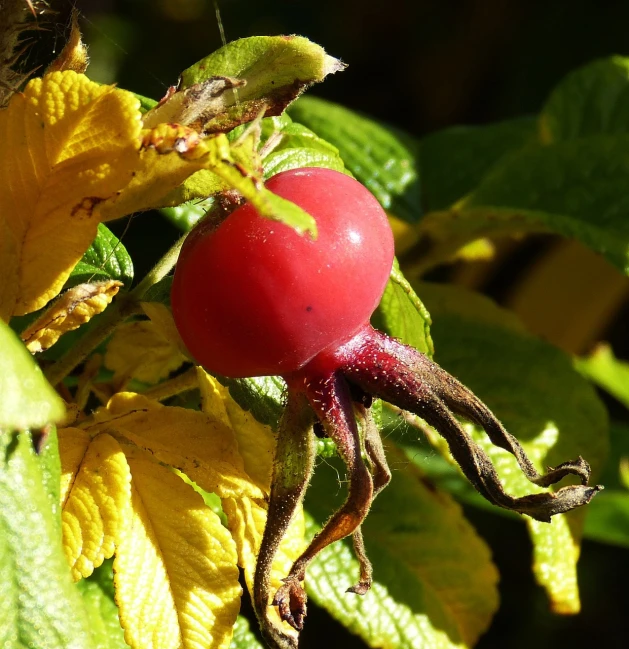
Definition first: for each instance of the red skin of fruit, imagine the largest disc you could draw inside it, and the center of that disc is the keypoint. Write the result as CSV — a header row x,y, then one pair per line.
x,y
253,297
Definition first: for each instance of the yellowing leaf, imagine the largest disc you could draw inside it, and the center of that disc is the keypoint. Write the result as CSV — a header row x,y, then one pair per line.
x,y
163,320
139,350
96,498
191,441
247,518
256,442
175,572
73,56
68,144
75,307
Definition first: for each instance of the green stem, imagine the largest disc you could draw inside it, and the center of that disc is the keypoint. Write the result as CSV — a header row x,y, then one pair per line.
x,y
124,306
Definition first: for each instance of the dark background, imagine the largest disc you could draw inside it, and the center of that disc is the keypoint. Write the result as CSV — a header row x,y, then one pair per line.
x,y
422,65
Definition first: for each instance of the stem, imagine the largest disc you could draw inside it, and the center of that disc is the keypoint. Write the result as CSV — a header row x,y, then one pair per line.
x,y
186,381
124,306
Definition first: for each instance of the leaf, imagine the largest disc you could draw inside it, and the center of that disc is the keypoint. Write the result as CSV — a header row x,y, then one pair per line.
x,y
378,156
435,584
454,161
606,371
106,258
28,400
256,441
40,606
247,519
575,188
98,598
69,145
187,215
534,390
243,637
75,307
285,159
273,71
262,396
592,100
402,314
193,442
139,350
162,317
175,571
95,498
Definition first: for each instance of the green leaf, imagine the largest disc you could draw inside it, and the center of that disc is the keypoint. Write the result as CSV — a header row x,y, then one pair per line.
x,y
590,101
435,584
576,188
160,291
285,159
106,258
402,314
40,605
98,598
28,400
534,390
606,371
48,451
243,79
243,637
378,156
608,516
262,396
454,161
187,215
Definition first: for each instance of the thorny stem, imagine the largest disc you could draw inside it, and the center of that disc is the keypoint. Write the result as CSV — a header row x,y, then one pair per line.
x,y
124,305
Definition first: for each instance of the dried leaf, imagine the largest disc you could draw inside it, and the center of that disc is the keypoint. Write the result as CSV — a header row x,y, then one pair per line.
x,y
74,308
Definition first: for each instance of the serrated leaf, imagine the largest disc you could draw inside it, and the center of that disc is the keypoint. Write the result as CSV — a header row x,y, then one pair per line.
x,y
246,519
76,307
193,442
534,390
402,314
268,72
106,258
98,597
606,371
575,188
454,161
40,606
28,400
141,350
380,158
589,101
75,145
434,582
175,573
262,396
256,441
286,159
95,498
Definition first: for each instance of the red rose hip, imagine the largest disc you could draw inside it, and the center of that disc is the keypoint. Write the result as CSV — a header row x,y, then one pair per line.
x,y
253,297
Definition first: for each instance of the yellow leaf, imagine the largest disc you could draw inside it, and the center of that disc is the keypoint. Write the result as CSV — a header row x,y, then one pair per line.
x,y
161,316
96,498
139,350
199,446
175,572
246,518
75,307
256,442
68,144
